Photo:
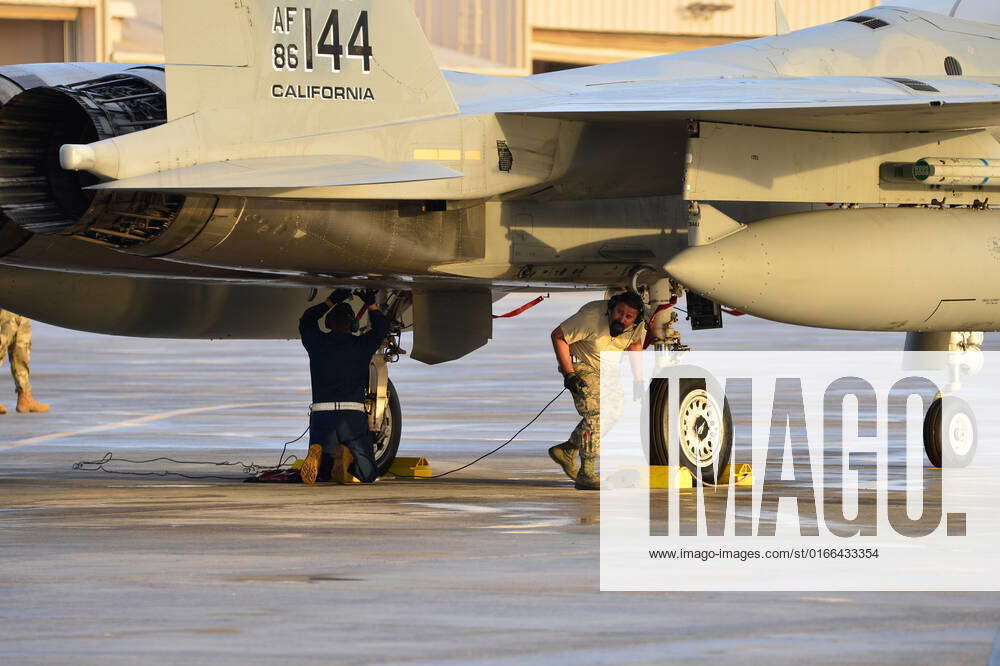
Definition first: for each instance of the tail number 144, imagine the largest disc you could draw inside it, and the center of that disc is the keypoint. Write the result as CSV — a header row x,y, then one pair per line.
x,y
290,56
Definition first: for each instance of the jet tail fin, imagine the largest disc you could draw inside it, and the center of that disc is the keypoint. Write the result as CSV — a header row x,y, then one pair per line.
x,y
304,67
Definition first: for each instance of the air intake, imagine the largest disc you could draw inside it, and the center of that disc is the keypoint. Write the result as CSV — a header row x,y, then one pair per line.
x,y
915,85
868,21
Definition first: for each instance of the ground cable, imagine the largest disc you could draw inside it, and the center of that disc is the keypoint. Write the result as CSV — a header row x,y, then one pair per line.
x,y
248,468
486,455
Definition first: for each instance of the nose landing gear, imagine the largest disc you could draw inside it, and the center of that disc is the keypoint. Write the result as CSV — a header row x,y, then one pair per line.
x,y
951,432
704,425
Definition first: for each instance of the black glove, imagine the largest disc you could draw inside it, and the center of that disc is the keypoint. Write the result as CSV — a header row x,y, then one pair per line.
x,y
574,382
368,296
339,295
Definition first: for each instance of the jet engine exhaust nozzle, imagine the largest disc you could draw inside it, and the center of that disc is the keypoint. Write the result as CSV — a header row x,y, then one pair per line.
x,y
36,192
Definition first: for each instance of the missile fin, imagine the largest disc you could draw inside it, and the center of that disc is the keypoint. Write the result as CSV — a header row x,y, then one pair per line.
x,y
707,225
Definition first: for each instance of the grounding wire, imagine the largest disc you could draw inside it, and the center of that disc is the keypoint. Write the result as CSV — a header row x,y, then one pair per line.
x,y
487,455
248,468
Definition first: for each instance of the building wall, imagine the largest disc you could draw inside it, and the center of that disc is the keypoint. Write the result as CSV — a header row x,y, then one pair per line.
x,y
572,33
23,41
52,30
732,18
494,31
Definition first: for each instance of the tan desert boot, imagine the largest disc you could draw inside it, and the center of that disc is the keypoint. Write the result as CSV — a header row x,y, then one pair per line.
x,y
3,410
310,467
342,459
26,404
588,478
565,455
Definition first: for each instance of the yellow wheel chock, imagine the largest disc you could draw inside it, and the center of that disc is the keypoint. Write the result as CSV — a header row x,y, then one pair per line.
x,y
410,468
662,477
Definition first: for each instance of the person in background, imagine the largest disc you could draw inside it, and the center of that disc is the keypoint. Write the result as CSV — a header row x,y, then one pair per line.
x,y
15,344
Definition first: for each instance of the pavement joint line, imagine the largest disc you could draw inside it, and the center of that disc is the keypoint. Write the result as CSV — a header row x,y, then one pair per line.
x,y
140,421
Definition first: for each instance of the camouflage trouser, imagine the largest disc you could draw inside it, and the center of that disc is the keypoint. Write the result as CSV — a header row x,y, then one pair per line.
x,y
15,343
587,435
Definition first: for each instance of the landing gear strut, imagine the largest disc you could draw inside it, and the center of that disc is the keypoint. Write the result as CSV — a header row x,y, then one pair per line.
x,y
389,432
951,433
385,416
704,427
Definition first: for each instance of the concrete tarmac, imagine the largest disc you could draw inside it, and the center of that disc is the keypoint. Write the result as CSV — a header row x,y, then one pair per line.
x,y
495,565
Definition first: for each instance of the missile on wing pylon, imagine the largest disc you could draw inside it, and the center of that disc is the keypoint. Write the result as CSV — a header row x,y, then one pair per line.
x,y
945,172
877,269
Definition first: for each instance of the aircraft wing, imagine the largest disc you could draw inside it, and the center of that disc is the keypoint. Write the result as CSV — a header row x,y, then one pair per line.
x,y
285,173
832,103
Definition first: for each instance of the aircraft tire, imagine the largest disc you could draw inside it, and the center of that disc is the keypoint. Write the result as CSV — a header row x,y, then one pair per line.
x,y
705,435
951,433
387,441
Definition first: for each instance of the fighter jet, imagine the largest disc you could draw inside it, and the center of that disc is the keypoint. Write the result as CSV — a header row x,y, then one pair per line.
x,y
837,176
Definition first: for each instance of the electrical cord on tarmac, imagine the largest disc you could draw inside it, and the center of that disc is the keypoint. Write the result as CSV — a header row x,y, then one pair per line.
x,y
248,468
487,455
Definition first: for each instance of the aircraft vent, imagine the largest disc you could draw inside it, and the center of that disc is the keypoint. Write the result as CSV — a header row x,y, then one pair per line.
x,y
506,157
952,66
915,85
869,21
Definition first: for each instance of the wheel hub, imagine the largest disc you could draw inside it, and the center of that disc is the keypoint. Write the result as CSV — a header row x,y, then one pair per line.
x,y
700,428
960,434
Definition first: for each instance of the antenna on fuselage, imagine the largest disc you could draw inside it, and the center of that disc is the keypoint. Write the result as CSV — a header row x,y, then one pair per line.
x,y
780,19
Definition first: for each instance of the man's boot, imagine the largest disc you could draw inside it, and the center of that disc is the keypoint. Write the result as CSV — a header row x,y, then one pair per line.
x,y
310,466
565,455
588,478
26,404
342,459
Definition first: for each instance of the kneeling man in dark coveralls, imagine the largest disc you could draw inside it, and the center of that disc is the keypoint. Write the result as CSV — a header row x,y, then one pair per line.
x,y
338,363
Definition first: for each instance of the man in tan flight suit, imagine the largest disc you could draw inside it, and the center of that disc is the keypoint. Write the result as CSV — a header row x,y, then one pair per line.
x,y
599,326
15,343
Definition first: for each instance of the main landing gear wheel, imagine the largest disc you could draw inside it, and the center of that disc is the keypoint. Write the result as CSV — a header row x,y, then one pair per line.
x,y
388,436
704,429
951,433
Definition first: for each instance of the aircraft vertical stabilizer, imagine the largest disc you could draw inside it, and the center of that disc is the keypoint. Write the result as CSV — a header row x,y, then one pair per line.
x,y
302,67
